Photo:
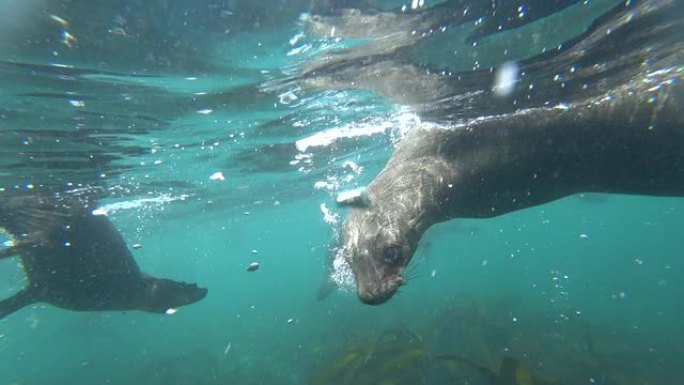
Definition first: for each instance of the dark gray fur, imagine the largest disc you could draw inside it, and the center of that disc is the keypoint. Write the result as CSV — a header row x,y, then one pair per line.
x,y
79,261
627,139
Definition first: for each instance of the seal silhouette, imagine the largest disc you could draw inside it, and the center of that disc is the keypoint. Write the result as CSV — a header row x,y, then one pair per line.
x,y
76,260
623,133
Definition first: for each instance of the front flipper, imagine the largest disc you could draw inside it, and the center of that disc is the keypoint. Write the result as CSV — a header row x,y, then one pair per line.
x,y
16,302
325,288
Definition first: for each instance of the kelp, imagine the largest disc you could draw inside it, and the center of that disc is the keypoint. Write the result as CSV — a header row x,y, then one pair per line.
x,y
397,357
400,357
510,372
498,341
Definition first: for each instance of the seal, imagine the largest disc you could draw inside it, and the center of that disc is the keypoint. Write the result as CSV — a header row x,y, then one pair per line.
x,y
361,19
76,260
627,138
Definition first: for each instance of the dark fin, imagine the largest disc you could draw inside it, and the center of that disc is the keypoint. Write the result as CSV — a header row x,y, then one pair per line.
x,y
325,288
29,214
16,302
31,218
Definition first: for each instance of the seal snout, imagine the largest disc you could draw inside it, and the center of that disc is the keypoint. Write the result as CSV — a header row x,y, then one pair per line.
x,y
381,293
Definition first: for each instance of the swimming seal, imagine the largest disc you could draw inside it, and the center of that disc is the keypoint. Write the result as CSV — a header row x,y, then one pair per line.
x,y
627,139
79,261
360,19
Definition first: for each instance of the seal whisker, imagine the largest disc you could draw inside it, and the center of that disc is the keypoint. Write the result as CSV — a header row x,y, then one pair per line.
x,y
411,276
413,265
398,292
411,272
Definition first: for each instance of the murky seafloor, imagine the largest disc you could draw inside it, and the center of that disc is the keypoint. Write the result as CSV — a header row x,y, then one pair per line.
x,y
212,153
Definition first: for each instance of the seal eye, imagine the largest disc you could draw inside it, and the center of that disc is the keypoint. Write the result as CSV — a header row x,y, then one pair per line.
x,y
392,254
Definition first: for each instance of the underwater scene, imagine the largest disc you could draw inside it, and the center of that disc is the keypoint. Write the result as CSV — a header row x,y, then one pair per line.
x,y
341,192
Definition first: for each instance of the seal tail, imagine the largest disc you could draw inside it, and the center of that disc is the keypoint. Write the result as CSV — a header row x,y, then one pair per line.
x,y
16,302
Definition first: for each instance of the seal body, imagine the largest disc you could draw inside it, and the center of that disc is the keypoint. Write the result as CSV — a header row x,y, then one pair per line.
x,y
79,261
628,138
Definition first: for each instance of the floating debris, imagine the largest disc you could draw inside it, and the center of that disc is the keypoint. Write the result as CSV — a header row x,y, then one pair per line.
x,y
254,266
68,39
136,246
506,78
217,176
59,20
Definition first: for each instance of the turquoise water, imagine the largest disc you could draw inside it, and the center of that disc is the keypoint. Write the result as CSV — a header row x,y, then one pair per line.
x,y
583,290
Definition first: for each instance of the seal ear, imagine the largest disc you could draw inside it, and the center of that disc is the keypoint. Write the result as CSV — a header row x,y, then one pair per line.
x,y
355,198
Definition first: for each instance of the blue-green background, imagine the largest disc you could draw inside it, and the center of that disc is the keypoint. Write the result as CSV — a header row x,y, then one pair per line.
x,y
610,261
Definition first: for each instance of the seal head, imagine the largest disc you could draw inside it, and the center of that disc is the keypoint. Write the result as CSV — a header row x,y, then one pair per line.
x,y
378,249
162,294
386,223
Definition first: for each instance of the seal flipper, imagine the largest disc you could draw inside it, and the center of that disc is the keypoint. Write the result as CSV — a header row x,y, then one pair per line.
x,y
9,305
325,288
30,218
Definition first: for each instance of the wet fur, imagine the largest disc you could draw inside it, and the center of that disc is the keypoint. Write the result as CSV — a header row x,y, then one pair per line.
x,y
79,261
625,134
